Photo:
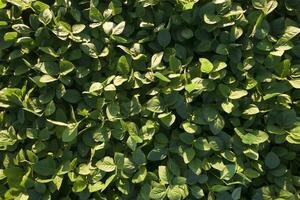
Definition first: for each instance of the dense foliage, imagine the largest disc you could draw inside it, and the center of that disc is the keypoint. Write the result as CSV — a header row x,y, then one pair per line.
x,y
150,99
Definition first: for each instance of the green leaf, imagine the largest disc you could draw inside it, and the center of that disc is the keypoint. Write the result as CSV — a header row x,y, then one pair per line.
x,y
38,6
187,33
157,154
197,192
272,160
123,66
209,113
251,154
194,165
138,157
106,164
94,14
289,33
72,96
164,37
205,65
236,194
134,132
70,133
188,155
49,50
45,167
89,49
175,63
113,111
108,181
149,99
222,50
283,68
119,160
228,172
50,108
140,175
217,125
202,144
65,67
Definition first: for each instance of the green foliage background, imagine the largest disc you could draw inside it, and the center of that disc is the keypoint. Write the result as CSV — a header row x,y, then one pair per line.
x,y
150,99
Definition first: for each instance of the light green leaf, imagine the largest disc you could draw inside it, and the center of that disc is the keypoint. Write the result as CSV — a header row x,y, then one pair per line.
x,y
47,79
10,36
80,184
158,192
161,77
167,119
156,59
163,174
118,29
77,28
21,28
7,138
237,93
252,137
174,193
295,83
45,17
252,109
106,164
154,105
206,65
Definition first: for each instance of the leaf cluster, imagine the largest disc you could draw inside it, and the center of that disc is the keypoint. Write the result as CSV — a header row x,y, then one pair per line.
x,y
149,99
